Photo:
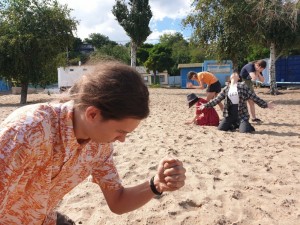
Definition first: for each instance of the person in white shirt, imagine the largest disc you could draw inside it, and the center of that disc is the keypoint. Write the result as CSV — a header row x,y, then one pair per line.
x,y
235,113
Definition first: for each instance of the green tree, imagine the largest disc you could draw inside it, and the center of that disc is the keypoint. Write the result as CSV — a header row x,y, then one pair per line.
x,y
99,40
32,34
159,59
277,24
220,28
180,50
231,27
113,52
74,55
143,53
169,39
197,53
134,21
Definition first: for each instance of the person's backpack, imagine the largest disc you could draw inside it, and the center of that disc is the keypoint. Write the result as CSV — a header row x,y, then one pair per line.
x,y
209,116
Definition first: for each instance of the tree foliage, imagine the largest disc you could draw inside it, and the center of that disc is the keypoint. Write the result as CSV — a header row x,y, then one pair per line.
x,y
179,48
32,34
277,24
143,53
231,27
99,40
135,22
220,28
159,59
111,52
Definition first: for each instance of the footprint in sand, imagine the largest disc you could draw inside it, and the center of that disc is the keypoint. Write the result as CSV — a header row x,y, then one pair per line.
x,y
215,172
288,203
294,145
237,195
190,204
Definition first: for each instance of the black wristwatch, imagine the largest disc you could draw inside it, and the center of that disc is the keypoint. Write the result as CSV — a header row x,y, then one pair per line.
x,y
153,188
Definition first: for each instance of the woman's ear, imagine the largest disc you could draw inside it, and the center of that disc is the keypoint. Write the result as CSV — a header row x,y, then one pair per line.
x,y
92,114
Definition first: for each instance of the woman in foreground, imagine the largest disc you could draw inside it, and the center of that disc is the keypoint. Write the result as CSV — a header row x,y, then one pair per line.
x,y
47,149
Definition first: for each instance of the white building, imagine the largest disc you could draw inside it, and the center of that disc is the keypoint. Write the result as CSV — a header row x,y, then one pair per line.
x,y
67,76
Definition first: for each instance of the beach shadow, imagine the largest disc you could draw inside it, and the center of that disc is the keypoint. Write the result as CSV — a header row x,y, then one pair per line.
x,y
28,103
279,134
280,124
10,105
287,102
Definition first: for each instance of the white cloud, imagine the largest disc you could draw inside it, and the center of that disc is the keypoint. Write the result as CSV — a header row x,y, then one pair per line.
x,y
95,16
154,36
173,9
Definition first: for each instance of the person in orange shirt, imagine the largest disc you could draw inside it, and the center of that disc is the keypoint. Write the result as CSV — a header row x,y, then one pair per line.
x,y
208,79
47,149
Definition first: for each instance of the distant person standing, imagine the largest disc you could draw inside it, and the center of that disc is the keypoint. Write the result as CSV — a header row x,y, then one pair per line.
x,y
252,72
206,78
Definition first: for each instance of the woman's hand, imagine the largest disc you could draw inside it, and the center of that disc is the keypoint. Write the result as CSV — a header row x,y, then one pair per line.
x,y
271,105
189,85
201,107
170,175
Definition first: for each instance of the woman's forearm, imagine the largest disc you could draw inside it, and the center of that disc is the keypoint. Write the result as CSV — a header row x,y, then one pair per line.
x,y
131,198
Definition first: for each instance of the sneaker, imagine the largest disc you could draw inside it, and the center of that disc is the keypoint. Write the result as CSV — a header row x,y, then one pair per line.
x,y
256,120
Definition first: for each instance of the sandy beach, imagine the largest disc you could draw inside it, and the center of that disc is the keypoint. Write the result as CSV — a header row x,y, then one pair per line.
x,y
232,178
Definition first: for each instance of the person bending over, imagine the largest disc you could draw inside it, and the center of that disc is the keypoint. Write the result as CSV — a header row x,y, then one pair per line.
x,y
208,79
252,72
47,149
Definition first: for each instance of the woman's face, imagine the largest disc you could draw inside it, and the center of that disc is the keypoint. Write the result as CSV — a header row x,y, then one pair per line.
x,y
258,68
94,127
112,130
234,77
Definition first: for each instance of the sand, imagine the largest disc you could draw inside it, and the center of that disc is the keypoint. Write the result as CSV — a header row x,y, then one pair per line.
x,y
232,178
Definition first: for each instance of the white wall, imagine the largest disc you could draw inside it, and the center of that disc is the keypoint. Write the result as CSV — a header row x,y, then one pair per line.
x,y
67,76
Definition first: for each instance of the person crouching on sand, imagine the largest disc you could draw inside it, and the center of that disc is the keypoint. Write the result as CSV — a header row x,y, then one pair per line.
x,y
204,117
47,149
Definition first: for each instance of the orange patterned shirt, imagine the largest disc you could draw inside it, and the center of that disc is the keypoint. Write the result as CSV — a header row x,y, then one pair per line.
x,y
41,161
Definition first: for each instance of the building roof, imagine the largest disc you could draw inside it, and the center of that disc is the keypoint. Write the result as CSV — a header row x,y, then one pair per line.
x,y
189,65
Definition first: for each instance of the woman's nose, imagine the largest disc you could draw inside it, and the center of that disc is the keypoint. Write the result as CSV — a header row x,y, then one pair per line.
x,y
121,138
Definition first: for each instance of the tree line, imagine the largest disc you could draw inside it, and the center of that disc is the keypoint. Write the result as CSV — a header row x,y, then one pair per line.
x,y
37,36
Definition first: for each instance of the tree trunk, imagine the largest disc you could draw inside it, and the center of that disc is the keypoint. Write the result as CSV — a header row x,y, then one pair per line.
x,y
272,71
154,76
133,54
24,86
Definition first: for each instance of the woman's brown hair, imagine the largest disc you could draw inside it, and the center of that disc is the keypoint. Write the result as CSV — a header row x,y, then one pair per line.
x,y
114,88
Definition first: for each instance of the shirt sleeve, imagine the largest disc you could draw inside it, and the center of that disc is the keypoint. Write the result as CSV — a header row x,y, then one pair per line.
x,y
15,154
250,94
104,172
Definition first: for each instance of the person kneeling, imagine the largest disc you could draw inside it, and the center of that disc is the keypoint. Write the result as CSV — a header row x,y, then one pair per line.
x,y
235,113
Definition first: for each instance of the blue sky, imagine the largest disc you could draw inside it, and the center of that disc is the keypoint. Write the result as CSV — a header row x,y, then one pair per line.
x,y
95,16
